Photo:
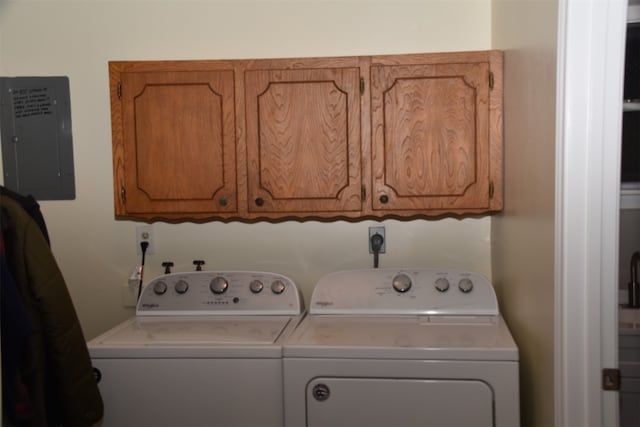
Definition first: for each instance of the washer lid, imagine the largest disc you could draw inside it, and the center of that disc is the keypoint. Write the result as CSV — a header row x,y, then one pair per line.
x,y
403,337
206,336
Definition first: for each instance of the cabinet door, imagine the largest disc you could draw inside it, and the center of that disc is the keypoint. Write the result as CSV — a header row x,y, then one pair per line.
x,y
303,140
430,137
178,151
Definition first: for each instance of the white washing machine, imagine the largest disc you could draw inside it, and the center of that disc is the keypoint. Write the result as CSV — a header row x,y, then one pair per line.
x,y
204,348
402,347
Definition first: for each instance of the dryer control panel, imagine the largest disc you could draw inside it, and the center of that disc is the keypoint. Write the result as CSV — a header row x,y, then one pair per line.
x,y
410,291
220,292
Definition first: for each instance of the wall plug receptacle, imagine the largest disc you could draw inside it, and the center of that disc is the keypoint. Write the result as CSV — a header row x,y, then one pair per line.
x,y
144,233
372,232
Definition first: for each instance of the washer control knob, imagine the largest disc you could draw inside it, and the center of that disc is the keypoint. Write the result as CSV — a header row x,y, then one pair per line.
x,y
465,285
160,288
442,284
277,287
218,285
256,286
181,286
401,283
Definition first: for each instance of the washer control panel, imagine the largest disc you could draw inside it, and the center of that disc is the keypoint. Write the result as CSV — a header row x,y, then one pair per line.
x,y
220,292
419,291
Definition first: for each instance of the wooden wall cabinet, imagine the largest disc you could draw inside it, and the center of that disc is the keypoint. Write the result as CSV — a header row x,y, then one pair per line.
x,y
436,133
303,139
174,140
398,136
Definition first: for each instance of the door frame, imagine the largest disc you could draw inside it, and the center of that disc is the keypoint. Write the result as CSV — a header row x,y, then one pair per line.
x,y
591,35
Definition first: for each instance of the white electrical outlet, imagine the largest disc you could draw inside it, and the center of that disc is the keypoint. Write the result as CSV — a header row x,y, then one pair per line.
x,y
144,233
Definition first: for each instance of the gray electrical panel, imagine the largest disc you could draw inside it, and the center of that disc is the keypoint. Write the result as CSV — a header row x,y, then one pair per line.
x,y
35,127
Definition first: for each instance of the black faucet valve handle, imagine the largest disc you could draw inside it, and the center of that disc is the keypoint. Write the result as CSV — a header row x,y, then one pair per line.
x,y
198,263
167,266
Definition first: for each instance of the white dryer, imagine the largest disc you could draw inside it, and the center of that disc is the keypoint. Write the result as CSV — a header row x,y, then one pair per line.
x,y
402,347
205,348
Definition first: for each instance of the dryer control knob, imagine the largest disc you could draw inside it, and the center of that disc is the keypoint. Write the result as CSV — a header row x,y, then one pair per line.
x,y
278,286
181,286
256,286
442,284
321,392
465,285
160,288
218,285
401,283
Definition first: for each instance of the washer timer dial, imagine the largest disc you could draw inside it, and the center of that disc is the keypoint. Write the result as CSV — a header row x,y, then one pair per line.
x,y
401,283
218,285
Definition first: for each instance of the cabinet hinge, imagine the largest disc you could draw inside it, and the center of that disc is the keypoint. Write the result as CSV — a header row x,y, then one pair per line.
x,y
119,90
611,379
361,85
363,192
491,80
491,190
123,195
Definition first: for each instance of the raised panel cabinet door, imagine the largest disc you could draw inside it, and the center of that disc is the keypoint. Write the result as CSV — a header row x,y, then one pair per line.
x,y
430,137
303,140
179,142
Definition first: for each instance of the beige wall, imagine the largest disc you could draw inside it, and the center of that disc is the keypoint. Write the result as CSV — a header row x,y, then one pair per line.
x,y
523,235
76,39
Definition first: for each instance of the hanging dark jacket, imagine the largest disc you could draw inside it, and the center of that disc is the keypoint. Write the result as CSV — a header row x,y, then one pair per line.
x,y
56,370
31,206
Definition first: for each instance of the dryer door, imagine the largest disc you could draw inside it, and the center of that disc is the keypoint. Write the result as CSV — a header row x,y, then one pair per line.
x,y
384,402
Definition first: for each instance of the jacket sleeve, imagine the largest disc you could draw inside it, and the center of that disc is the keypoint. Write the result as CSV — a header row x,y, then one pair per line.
x,y
66,349
57,367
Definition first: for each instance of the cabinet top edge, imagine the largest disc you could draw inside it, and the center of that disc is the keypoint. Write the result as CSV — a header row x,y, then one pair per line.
x,y
438,57
217,64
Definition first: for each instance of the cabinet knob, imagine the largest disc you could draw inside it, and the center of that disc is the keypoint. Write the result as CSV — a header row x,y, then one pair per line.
x,y
223,201
259,201
384,198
